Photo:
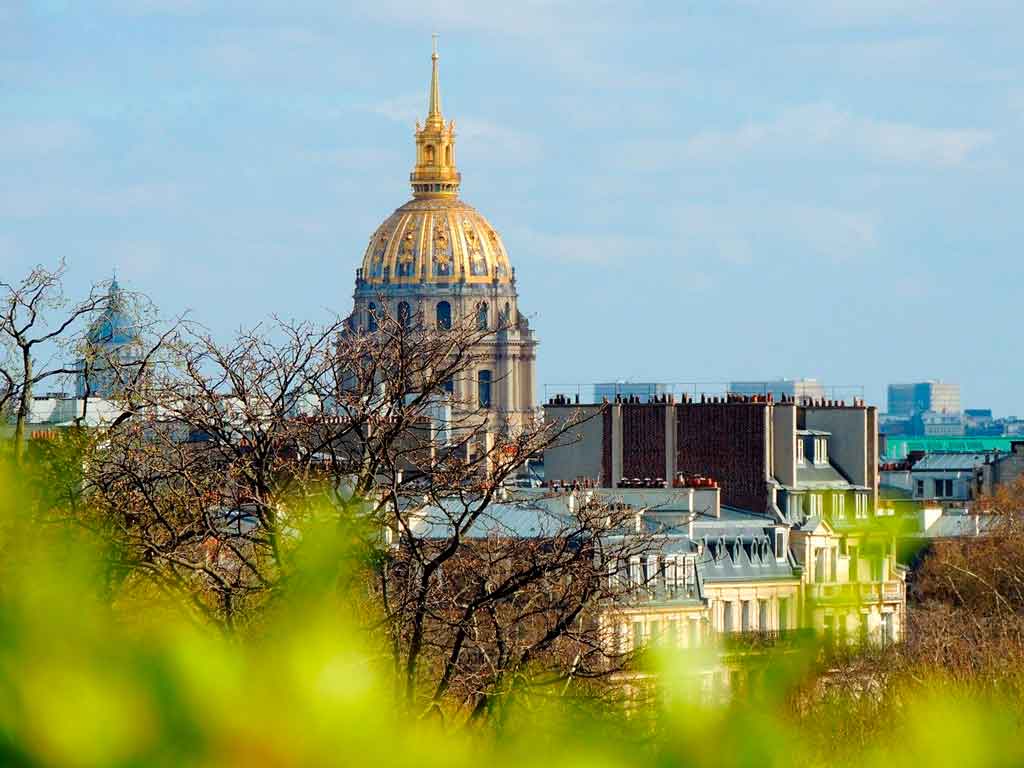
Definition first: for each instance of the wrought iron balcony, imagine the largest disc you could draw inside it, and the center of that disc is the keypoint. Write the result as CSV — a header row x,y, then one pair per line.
x,y
856,591
756,640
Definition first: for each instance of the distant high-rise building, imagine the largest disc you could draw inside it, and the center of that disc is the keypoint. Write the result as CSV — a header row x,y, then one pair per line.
x,y
777,388
917,397
644,390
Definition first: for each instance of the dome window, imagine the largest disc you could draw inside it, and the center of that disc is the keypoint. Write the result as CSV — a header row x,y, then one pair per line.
x,y
484,389
429,151
404,314
444,315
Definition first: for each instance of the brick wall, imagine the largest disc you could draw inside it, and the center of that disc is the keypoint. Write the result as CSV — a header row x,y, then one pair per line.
x,y
643,440
725,441
606,449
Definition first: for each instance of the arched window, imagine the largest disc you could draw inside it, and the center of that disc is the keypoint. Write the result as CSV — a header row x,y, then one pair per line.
x,y
404,314
483,388
430,153
481,316
371,317
444,315
449,385
448,155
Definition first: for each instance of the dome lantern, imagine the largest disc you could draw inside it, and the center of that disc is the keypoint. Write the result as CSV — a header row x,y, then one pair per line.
x,y
435,174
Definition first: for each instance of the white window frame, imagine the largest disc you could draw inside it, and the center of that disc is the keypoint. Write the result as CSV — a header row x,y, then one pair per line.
x,y
816,504
839,506
780,551
635,574
820,451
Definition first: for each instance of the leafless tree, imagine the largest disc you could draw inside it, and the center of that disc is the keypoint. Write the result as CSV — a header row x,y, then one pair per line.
x,y
35,316
486,598
228,451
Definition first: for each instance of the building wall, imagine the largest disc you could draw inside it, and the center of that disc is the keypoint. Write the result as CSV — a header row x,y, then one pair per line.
x,y
784,443
643,441
729,442
871,417
578,453
1002,471
962,482
780,596
848,444
509,354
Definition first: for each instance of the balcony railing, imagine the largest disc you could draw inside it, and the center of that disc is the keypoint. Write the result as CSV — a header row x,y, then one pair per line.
x,y
754,641
856,592
661,593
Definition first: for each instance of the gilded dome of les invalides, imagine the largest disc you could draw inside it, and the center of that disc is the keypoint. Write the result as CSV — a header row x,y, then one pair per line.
x,y
435,237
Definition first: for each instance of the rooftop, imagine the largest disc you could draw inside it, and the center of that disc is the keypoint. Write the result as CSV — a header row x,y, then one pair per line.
x,y
647,391
948,462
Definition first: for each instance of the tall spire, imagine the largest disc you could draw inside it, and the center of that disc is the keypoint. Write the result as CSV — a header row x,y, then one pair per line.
x,y
435,174
434,111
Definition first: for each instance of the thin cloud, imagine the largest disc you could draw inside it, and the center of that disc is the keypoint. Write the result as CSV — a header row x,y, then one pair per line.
x,y
861,13
569,248
406,108
41,137
741,235
822,126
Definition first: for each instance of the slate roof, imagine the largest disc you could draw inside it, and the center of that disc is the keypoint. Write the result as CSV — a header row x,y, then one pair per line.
x,y
948,462
820,476
519,519
955,526
744,555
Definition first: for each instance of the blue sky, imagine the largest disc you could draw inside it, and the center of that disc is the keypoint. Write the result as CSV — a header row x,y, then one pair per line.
x,y
690,191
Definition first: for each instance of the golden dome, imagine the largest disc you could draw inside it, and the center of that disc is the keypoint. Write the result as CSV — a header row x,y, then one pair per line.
x,y
435,238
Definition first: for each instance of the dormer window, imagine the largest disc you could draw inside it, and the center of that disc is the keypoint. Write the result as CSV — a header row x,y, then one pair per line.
x,y
820,451
780,544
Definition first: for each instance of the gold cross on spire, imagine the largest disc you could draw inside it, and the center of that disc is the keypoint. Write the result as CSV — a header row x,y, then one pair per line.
x,y
434,109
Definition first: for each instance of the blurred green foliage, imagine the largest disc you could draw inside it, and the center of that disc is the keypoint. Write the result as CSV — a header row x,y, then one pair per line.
x,y
94,678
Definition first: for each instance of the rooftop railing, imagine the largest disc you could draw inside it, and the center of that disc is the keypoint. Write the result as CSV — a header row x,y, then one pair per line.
x,y
589,393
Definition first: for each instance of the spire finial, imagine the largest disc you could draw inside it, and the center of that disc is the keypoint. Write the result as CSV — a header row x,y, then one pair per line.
x,y
435,174
435,87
